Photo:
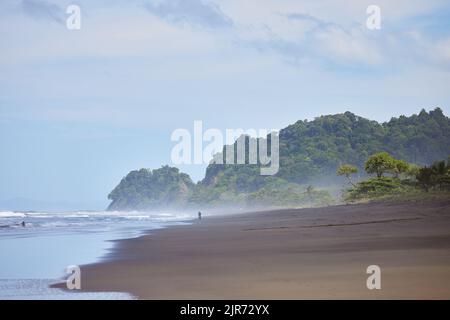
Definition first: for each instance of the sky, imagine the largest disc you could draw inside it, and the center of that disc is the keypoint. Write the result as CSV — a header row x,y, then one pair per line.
x,y
81,108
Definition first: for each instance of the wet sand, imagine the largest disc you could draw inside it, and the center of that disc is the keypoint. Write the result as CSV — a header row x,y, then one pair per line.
x,y
288,254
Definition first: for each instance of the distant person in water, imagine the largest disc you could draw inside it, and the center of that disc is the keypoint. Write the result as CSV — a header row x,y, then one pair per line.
x,y
199,215
23,224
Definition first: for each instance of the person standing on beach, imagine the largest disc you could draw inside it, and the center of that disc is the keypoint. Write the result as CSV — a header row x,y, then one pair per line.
x,y
199,215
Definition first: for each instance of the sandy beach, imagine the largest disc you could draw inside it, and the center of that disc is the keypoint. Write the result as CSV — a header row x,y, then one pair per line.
x,y
288,254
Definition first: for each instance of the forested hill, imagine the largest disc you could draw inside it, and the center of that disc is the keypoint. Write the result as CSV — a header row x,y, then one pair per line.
x,y
309,151
142,189
329,140
314,149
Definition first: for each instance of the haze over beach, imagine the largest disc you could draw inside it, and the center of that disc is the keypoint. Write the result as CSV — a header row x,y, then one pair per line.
x,y
220,149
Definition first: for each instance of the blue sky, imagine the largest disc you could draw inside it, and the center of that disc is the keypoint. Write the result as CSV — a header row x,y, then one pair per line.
x,y
79,109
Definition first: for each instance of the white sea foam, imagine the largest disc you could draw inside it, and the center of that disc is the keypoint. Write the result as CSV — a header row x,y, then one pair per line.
x,y
10,214
79,219
39,289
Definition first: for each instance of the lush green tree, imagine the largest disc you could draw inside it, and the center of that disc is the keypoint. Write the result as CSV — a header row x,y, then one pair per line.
x,y
441,174
412,171
380,163
347,170
435,176
378,187
426,178
400,167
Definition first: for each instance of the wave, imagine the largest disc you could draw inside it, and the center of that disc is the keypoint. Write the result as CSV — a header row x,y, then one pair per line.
x,y
89,221
95,214
10,214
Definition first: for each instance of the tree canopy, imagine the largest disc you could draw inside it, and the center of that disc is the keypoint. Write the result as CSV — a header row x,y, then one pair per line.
x,y
347,170
380,163
141,189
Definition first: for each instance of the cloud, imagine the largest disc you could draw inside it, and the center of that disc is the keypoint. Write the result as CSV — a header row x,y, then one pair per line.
x,y
42,10
332,34
306,17
197,13
304,38
339,45
301,33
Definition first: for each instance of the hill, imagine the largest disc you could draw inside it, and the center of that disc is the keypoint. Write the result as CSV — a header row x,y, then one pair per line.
x,y
142,189
310,152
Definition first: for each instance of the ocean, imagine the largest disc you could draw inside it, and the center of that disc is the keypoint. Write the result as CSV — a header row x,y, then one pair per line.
x,y
36,255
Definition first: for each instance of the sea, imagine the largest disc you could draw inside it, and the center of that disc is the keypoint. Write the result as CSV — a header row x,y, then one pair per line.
x,y
35,255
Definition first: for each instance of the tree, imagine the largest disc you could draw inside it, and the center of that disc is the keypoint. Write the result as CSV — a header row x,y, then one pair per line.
x,y
380,163
441,173
425,178
347,170
413,170
436,175
400,167
439,168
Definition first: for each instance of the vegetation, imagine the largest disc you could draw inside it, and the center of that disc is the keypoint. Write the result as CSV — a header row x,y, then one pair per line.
x,y
164,187
347,170
312,150
167,187
405,178
435,177
290,195
397,156
380,163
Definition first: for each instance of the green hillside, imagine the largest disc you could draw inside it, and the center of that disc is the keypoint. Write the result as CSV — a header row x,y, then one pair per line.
x,y
164,187
310,151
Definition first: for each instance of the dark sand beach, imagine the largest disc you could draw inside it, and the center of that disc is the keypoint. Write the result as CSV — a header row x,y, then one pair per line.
x,y
288,254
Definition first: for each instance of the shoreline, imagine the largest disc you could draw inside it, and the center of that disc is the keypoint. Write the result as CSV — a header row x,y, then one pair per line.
x,y
37,255
287,254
